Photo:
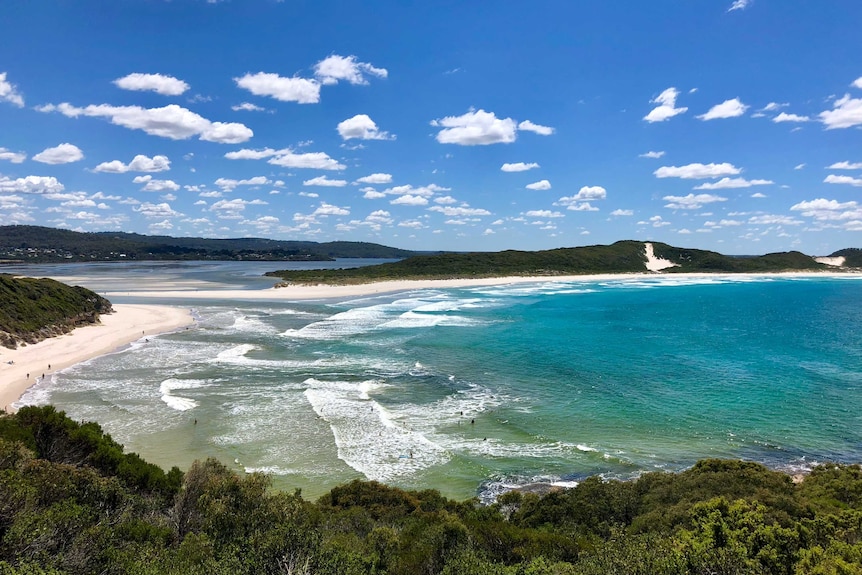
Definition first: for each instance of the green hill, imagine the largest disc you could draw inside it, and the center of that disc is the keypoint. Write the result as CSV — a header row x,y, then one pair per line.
x,y
31,244
32,309
621,257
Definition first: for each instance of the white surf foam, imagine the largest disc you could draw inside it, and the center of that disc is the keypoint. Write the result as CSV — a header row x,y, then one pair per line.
x,y
370,439
179,403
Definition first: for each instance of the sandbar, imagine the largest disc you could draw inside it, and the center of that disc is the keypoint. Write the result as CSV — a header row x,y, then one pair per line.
x,y
329,292
128,323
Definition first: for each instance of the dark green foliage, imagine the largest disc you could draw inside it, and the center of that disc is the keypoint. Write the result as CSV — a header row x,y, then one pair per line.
x,y
852,257
72,502
41,244
620,257
32,309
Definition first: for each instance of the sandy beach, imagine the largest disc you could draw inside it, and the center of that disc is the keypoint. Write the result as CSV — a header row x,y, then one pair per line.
x,y
128,323
323,292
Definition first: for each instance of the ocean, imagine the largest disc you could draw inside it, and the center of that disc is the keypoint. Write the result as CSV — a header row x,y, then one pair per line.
x,y
472,391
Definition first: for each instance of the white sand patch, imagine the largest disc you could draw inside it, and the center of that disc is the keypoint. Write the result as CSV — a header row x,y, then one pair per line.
x,y
656,264
837,261
21,367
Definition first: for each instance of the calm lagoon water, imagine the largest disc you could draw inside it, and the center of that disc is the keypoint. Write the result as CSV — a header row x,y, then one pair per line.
x,y
471,390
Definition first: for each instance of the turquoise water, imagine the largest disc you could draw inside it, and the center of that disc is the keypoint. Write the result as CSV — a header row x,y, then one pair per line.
x,y
471,390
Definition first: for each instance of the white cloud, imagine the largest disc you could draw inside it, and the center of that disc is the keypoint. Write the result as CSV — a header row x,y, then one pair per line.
x,y
445,200
846,113
774,106
731,183
410,200
228,184
247,107
785,117
845,166
330,210
30,185
667,106
423,191
139,163
362,127
697,171
414,224
758,195
691,201
739,5
857,83
518,167
155,185
288,159
164,85
543,214
171,121
149,210
324,181
584,194
334,68
235,205
583,207
477,128
529,126
300,90
62,154
9,92
833,179
830,210
652,154
376,179
773,220
460,211
14,157
623,213
727,109
540,185
799,166
371,194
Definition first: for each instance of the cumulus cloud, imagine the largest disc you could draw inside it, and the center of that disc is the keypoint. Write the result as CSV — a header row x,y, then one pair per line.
x,y
845,113
543,214
845,165
62,154
228,184
666,106
335,68
376,179
410,200
691,201
785,117
235,205
833,179
459,211
247,107
476,128
9,92
727,109
10,156
30,185
651,154
288,158
823,209
139,163
362,127
529,126
540,185
623,213
300,90
580,202
730,183
330,210
152,185
164,85
518,167
172,121
423,191
149,210
697,171
324,181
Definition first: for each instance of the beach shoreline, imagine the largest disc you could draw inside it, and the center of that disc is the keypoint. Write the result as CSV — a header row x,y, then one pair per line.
x,y
128,323
331,292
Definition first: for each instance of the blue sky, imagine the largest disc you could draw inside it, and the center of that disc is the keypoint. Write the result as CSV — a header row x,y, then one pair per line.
x,y
717,124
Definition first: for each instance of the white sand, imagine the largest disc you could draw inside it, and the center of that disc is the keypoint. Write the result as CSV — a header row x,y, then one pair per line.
x,y
654,263
836,261
128,323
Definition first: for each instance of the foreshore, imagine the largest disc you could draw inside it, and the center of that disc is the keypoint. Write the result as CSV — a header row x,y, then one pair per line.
x,y
23,367
325,291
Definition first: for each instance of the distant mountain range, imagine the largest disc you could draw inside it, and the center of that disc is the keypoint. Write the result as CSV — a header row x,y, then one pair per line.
x,y
621,257
36,244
